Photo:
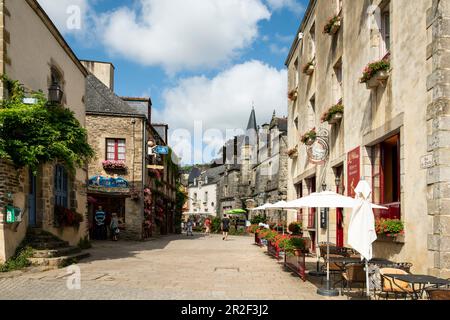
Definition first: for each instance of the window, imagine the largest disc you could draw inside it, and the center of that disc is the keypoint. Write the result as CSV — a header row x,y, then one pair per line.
x,y
337,83
206,197
339,6
296,74
115,149
61,187
299,192
312,44
386,176
385,46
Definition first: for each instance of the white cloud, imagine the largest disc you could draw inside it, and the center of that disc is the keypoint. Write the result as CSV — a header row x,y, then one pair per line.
x,y
278,50
224,102
182,34
292,5
69,16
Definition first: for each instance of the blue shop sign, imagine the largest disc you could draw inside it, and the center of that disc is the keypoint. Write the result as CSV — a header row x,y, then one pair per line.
x,y
161,150
99,181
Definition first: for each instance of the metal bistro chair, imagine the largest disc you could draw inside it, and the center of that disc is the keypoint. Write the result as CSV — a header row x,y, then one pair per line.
x,y
395,287
354,273
336,269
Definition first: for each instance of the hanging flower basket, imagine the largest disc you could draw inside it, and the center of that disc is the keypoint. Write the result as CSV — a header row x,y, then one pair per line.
x,y
376,73
390,228
111,165
309,68
309,137
334,115
333,25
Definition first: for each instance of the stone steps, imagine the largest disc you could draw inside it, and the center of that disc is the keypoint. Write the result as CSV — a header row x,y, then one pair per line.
x,y
59,262
55,253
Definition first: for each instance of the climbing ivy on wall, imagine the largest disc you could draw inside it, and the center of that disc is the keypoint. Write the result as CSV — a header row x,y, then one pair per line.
x,y
40,133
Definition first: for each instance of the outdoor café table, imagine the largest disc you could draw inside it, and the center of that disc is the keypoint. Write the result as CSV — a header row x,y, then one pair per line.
x,y
421,281
348,260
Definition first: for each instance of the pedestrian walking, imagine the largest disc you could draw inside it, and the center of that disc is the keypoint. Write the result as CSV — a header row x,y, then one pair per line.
x,y
114,227
208,226
189,226
225,227
100,226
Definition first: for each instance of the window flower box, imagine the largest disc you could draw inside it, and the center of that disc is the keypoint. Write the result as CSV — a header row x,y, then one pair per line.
x,y
64,218
390,230
333,26
376,74
309,137
309,68
111,165
334,115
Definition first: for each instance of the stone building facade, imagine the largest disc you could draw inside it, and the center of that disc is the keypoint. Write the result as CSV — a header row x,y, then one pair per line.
x,y
142,192
33,52
256,172
394,131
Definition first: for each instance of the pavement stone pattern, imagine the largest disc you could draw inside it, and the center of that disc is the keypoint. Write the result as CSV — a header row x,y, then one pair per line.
x,y
174,267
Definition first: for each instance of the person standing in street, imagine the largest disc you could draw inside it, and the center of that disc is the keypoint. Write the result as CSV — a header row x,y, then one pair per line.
x,y
208,226
100,226
189,226
225,227
114,227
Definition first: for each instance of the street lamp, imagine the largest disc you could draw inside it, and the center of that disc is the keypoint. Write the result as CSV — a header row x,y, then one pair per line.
x,y
55,93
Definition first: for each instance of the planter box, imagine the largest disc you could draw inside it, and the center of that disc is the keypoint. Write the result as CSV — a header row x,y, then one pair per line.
x,y
336,118
335,28
310,141
397,239
296,263
378,79
273,250
258,240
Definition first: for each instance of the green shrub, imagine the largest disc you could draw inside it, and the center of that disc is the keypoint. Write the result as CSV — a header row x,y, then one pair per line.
x,y
84,243
18,261
295,227
215,226
258,219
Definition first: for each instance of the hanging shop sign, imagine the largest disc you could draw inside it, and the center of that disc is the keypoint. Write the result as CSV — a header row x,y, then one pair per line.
x,y
155,167
161,150
13,214
319,150
353,170
107,182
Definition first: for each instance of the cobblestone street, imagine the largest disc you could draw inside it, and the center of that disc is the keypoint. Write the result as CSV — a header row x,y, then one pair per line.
x,y
172,267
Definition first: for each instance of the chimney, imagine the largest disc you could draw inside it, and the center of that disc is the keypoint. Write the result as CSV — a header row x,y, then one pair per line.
x,y
104,71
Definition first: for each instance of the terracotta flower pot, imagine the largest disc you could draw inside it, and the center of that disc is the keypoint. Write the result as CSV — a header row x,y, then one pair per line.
x,y
335,118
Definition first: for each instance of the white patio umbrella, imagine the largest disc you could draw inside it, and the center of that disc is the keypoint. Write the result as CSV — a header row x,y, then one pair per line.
x,y
326,199
361,230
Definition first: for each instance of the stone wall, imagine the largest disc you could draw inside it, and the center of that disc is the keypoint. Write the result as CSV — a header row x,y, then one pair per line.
x,y
438,118
131,129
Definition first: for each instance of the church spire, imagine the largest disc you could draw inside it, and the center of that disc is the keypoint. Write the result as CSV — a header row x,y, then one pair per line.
x,y
252,121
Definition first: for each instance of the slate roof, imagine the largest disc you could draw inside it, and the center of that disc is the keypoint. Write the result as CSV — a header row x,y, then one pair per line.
x,y
100,99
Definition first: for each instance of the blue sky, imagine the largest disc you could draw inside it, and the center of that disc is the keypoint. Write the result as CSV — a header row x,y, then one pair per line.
x,y
205,60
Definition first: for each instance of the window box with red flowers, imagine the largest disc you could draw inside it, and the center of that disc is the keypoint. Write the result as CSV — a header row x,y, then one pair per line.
x,y
376,74
309,68
113,165
390,230
309,137
65,218
333,26
334,115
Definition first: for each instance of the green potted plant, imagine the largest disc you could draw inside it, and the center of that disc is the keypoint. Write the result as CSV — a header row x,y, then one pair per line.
x,y
295,228
309,137
333,25
390,228
376,73
334,114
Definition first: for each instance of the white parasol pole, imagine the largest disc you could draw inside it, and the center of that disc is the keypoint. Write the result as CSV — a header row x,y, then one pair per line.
x,y
367,279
